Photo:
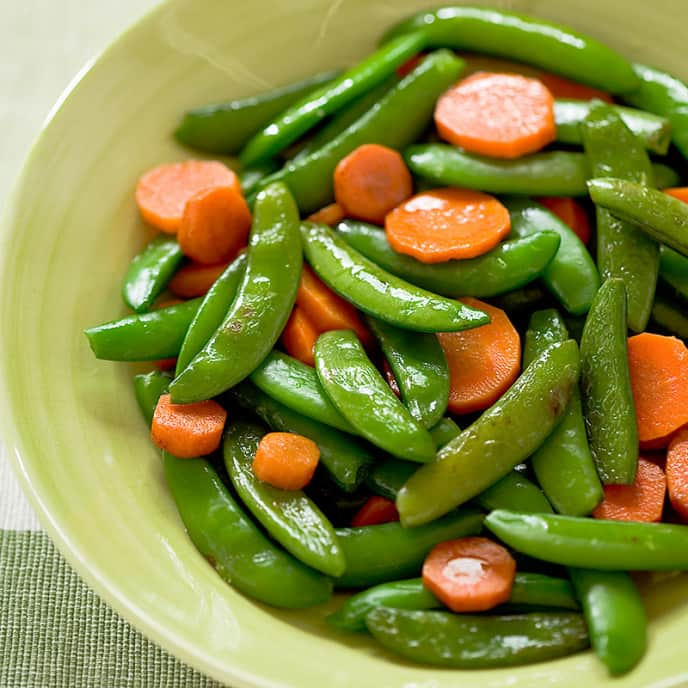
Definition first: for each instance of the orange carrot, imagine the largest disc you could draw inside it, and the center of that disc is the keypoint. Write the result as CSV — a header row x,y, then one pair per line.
x,y
194,279
188,430
162,192
299,336
286,460
483,362
500,115
471,574
680,192
389,377
561,87
375,512
444,224
677,472
570,213
658,367
370,181
641,501
329,215
215,225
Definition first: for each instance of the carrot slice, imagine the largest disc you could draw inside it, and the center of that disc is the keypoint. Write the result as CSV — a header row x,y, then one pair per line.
x,y
658,367
286,460
162,192
195,279
389,377
570,213
641,501
471,574
499,115
188,430
483,362
677,472
370,181
444,224
329,215
299,336
680,192
215,225
375,512
560,87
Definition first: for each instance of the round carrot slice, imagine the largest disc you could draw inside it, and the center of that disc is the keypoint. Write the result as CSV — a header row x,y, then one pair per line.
x,y
570,213
471,574
444,224
195,279
500,115
286,460
677,472
375,512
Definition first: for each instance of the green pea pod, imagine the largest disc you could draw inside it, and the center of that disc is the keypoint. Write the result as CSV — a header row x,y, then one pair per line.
x,y
397,120
539,590
468,641
553,47
148,388
654,131
673,270
149,272
563,464
388,477
378,554
504,435
145,336
571,275
521,301
593,544
250,177
260,309
662,217
515,492
420,369
623,250
346,460
379,293
509,266
362,396
445,431
289,516
606,387
226,127
553,173
211,312
670,316
615,616
296,385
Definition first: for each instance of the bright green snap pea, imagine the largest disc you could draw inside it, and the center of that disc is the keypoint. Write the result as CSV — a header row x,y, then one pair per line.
x,y
521,301
262,305
591,543
420,369
388,477
475,642
145,336
303,115
606,387
671,317
615,615
623,250
250,177
379,293
553,47
226,127
378,554
445,431
571,275
148,388
546,327
504,435
673,270
539,590
362,396
289,516
509,266
514,492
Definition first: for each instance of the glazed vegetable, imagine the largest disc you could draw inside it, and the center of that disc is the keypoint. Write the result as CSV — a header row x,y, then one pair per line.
x,y
252,175
149,387
514,492
330,215
571,213
673,270
376,511
671,316
677,472
445,431
195,279
286,460
299,336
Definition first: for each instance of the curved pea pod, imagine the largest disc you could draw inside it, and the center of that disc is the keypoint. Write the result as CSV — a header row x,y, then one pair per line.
x,y
289,516
615,615
673,270
145,336
379,293
504,435
553,47
509,266
420,369
571,275
469,641
260,309
149,272
148,388
362,396
377,554
250,177
225,128
606,387
515,492
670,316
346,460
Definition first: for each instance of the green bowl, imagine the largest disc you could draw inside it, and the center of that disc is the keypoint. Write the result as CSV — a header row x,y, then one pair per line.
x,y
73,430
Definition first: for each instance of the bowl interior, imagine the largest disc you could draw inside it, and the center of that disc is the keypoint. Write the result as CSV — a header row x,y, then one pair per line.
x,y
73,429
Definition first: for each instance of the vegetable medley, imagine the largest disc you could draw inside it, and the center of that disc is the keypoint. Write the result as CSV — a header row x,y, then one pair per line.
x,y
400,359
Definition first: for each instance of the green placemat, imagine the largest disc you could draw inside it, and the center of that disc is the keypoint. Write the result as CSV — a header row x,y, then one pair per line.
x,y
56,633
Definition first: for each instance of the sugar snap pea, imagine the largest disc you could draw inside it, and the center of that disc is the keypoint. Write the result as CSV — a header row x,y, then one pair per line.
x,y
445,431
515,492
673,270
379,293
608,405
251,176
510,265
388,476
260,309
504,435
670,316
521,302
362,396
148,388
